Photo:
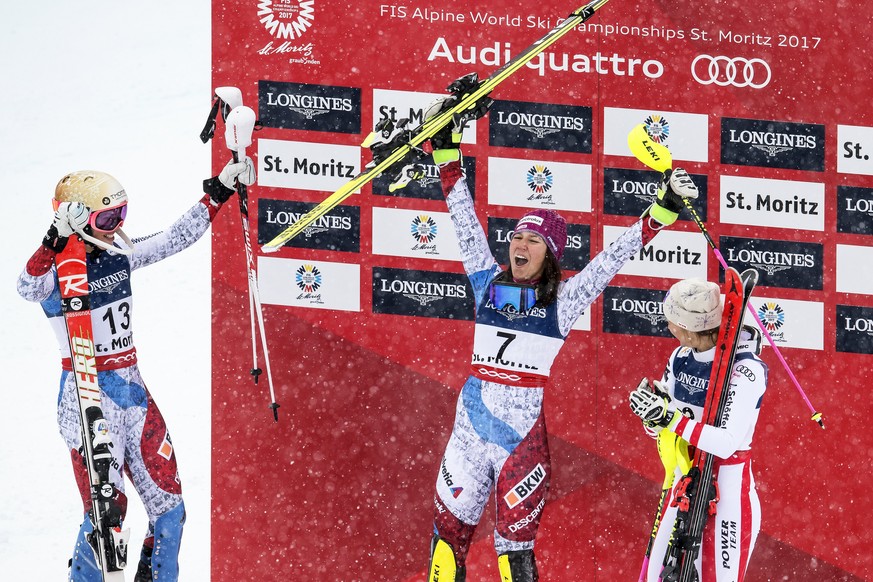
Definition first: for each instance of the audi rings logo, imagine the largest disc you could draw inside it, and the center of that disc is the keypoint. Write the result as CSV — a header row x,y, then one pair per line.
x,y
735,72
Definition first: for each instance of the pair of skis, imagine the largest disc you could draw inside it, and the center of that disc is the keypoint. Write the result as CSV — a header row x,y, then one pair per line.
x,y
398,146
109,541
239,123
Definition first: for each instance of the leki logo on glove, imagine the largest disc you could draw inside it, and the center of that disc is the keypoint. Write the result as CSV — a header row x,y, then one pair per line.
x,y
525,487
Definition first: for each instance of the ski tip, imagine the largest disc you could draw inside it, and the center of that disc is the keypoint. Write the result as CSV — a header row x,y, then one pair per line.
x,y
817,417
267,249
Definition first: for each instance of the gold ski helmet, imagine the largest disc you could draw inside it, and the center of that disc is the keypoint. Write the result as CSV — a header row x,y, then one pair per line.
x,y
97,190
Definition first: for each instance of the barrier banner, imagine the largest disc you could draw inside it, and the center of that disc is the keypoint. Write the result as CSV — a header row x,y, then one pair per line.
x,y
368,312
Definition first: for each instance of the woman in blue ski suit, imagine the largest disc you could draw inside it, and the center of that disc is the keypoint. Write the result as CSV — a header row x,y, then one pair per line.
x,y
523,315
93,205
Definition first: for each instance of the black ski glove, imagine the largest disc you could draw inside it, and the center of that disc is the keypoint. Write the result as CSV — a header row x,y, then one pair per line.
x,y
221,187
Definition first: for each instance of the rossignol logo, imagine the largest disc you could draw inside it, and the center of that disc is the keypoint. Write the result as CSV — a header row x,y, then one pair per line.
x,y
525,488
421,293
286,19
76,284
309,107
540,180
772,316
772,144
657,127
165,449
519,124
497,54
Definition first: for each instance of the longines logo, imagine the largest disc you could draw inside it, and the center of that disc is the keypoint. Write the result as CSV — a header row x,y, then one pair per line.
x,y
772,144
630,192
422,293
338,230
855,210
309,107
796,265
854,329
521,124
428,186
634,312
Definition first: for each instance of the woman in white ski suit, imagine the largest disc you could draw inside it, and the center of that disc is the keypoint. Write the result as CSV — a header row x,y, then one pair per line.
x,y
93,204
499,440
693,311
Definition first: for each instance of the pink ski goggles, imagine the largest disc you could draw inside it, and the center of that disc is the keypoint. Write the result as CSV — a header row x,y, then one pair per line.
x,y
108,219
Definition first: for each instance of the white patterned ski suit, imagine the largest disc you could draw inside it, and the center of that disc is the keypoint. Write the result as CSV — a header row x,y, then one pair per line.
x,y
142,446
499,439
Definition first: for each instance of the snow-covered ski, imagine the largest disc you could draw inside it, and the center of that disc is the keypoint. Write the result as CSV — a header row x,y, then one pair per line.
x,y
403,148
108,540
696,493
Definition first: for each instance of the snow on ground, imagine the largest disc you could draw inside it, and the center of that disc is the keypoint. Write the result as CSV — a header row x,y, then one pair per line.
x,y
121,87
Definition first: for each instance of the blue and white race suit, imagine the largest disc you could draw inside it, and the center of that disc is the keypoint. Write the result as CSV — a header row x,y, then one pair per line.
x,y
143,448
499,439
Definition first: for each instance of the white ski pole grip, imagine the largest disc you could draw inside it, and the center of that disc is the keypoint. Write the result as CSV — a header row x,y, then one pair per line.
x,y
231,96
238,129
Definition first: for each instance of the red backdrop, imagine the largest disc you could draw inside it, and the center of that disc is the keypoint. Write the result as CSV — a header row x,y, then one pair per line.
x,y
341,487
